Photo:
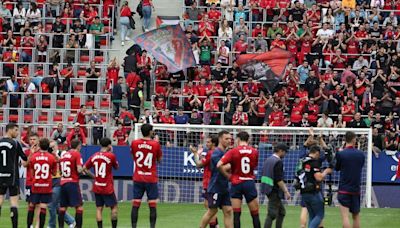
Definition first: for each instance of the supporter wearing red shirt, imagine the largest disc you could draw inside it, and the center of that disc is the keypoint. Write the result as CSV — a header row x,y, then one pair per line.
x,y
189,89
313,111
76,133
250,88
112,73
276,118
28,42
261,103
167,118
202,89
206,27
278,43
348,111
339,60
296,113
352,49
216,90
302,95
210,107
240,117
361,33
240,45
34,147
256,30
291,46
131,80
328,54
305,48
283,5
160,104
313,14
214,14
121,136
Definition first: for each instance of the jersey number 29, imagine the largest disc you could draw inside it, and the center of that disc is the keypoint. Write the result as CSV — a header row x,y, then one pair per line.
x,y
41,171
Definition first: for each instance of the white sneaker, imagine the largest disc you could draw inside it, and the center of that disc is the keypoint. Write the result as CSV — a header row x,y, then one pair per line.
x,y
127,38
122,43
72,225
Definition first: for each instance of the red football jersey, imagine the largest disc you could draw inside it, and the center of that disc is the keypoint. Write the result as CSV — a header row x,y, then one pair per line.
x,y
206,167
145,154
69,171
44,165
29,175
103,163
243,160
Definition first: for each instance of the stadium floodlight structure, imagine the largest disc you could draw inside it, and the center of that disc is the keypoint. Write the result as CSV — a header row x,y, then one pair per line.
x,y
181,181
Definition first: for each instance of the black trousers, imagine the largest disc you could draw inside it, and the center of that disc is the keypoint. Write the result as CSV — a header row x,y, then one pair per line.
x,y
276,211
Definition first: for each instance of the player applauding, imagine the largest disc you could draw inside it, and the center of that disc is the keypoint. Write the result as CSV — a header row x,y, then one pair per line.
x,y
43,165
71,167
103,188
243,160
146,153
211,143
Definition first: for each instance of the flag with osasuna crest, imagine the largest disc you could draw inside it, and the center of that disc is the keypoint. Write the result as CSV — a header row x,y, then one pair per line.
x,y
267,67
169,46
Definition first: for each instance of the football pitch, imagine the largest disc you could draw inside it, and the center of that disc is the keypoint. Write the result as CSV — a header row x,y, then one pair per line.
x,y
188,215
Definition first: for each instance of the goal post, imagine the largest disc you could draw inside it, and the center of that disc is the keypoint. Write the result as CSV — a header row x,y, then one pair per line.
x,y
181,182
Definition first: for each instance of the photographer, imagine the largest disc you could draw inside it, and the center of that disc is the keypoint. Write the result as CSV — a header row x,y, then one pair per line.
x,y
310,178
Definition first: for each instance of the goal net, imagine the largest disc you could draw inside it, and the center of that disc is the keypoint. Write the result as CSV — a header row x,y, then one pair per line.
x,y
181,182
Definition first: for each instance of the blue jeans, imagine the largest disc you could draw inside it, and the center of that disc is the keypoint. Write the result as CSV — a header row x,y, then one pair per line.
x,y
125,26
53,207
25,57
315,207
146,16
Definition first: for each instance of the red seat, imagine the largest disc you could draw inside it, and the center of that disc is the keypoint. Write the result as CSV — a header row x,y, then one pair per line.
x,y
71,118
99,59
60,103
79,88
58,118
103,119
75,103
105,104
28,118
13,118
84,58
43,117
90,103
103,42
81,73
1,118
46,103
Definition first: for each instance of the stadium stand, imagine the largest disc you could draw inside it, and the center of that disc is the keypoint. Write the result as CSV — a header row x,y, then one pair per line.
x,y
344,63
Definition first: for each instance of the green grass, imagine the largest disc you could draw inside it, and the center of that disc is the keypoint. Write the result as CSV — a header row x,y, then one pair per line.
x,y
188,215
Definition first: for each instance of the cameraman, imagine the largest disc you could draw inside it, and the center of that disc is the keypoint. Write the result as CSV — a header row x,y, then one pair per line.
x,y
310,186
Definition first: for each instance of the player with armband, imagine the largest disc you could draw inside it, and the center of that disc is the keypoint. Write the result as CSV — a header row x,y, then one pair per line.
x,y
43,165
146,154
70,196
204,162
103,162
242,160
218,186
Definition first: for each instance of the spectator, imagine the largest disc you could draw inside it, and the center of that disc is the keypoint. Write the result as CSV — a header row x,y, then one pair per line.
x,y
97,29
348,110
192,15
5,14
360,63
303,72
311,83
260,44
28,42
229,109
71,44
147,6
42,48
76,133
240,117
225,32
223,53
33,15
81,116
339,123
80,31
276,118
210,108
377,142
136,100
392,19
312,111
205,50
97,131
392,141
92,74
94,117
357,122
28,88
325,121
241,45
180,117
296,114
112,73
120,136
13,86
130,64
117,95
147,117
59,134
144,66
125,14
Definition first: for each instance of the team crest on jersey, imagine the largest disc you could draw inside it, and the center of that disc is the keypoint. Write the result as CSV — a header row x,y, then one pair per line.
x,y
307,168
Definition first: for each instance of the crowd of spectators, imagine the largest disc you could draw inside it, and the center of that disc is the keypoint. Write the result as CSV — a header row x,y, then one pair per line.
x,y
344,70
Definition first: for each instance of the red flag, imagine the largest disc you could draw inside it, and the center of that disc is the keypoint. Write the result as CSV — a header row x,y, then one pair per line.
x,y
398,169
276,59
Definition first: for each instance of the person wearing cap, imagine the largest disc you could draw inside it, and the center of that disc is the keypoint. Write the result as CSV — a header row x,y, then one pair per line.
x,y
76,133
274,187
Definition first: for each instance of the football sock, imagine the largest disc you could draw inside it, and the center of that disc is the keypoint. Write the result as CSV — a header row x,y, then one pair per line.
x,y
31,213
42,217
14,217
99,224
78,218
134,216
256,219
61,215
114,223
236,217
153,217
